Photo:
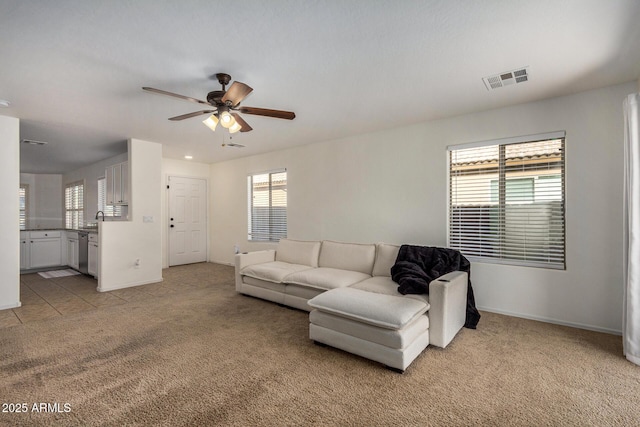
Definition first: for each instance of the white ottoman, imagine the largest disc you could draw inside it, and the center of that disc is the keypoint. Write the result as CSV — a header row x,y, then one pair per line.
x,y
389,329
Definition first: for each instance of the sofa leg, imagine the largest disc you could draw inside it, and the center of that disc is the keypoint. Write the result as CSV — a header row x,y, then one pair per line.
x,y
396,370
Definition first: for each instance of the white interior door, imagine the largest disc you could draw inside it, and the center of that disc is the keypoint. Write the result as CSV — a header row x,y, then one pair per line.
x,y
187,220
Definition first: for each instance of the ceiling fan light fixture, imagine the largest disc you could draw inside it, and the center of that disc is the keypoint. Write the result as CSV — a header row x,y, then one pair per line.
x,y
211,122
226,119
235,127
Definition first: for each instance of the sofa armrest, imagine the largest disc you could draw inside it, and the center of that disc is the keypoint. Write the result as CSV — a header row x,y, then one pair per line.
x,y
448,300
250,258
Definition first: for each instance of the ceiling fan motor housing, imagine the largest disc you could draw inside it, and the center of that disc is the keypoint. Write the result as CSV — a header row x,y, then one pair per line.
x,y
215,97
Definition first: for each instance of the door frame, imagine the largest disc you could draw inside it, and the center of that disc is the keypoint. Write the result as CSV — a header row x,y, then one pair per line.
x,y
167,210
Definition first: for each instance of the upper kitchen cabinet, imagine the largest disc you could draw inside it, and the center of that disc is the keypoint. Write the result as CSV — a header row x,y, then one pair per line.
x,y
118,184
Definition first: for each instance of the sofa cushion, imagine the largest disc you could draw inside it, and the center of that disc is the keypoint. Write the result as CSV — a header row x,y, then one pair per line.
x,y
298,252
326,278
384,285
385,311
347,256
274,271
385,258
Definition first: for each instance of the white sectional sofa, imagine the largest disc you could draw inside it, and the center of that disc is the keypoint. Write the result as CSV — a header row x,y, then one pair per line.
x,y
354,304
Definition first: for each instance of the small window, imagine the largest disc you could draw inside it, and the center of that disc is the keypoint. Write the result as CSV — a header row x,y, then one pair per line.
x,y
23,196
109,210
74,205
507,200
267,219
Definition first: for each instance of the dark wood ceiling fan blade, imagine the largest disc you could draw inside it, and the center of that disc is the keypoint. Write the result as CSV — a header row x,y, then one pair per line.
x,y
189,115
245,126
175,95
278,114
236,93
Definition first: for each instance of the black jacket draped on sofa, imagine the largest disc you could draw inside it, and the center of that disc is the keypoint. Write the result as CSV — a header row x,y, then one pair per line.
x,y
417,266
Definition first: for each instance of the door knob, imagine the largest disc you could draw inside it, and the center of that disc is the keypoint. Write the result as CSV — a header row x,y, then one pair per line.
x,y
171,226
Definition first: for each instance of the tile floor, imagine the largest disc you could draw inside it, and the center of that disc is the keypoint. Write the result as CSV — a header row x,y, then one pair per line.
x,y
48,298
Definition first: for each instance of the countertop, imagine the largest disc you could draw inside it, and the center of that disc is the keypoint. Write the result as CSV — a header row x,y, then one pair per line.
x,y
89,230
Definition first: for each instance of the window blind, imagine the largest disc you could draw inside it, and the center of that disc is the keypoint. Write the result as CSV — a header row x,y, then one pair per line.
x,y
109,210
22,195
74,205
267,214
507,201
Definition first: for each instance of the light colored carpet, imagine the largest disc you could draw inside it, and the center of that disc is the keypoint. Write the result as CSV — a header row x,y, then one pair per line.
x,y
58,273
203,355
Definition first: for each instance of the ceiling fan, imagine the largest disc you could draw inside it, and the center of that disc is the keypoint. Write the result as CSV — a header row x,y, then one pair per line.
x,y
226,103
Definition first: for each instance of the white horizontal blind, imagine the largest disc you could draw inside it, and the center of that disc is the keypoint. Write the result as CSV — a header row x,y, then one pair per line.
x,y
507,202
74,205
23,206
109,210
267,216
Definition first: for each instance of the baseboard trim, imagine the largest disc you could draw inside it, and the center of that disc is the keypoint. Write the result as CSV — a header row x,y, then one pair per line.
x,y
129,285
230,264
9,306
552,321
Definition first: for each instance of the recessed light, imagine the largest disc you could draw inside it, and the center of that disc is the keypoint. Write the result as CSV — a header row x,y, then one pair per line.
x,y
4,103
188,157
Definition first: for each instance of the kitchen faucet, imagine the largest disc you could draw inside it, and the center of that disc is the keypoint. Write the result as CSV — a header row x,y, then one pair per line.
x,y
98,213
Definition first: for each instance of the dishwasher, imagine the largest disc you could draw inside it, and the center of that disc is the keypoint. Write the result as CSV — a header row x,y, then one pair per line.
x,y
83,252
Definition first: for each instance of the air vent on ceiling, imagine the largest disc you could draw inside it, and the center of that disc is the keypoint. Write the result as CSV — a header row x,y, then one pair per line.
x,y
507,78
33,142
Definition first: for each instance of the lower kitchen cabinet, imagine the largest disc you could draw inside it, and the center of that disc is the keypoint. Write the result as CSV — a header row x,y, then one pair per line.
x,y
92,264
72,250
43,249
24,251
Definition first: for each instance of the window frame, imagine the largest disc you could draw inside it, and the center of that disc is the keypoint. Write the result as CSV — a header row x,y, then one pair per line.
x,y
114,211
75,221
502,205
272,235
24,212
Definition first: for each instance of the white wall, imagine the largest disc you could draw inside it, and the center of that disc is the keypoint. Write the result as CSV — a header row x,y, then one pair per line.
x,y
89,175
9,212
391,186
181,168
45,200
139,238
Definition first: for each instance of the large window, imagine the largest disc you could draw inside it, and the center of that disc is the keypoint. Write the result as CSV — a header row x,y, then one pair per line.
x,y
506,200
267,203
23,197
74,205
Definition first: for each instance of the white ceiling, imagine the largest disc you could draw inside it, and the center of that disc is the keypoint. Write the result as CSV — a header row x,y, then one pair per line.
x,y
73,70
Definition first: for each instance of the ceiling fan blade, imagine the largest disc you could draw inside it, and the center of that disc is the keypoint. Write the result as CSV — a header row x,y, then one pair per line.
x,y
278,114
245,126
175,95
236,93
188,116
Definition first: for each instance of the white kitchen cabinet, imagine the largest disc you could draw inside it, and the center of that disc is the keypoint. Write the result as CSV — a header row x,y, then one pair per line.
x,y
24,250
72,250
45,249
93,261
118,184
